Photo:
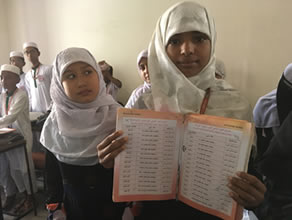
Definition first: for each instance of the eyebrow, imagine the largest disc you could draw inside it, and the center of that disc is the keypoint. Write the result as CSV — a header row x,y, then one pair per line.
x,y
84,66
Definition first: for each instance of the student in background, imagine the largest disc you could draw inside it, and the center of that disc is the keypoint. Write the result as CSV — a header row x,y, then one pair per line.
x,y
14,113
273,118
112,84
37,80
17,59
181,64
144,74
220,72
82,116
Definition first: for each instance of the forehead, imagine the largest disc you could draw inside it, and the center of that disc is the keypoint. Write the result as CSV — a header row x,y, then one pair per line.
x,y
8,74
16,58
77,66
143,60
30,49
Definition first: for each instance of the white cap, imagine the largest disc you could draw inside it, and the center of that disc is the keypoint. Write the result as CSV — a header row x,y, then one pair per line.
x,y
10,68
30,44
15,54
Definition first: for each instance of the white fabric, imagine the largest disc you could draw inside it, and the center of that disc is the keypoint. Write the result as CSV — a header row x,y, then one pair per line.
x,y
29,44
16,54
287,72
265,112
171,90
10,68
112,89
5,177
136,94
143,53
18,117
21,84
73,130
220,68
39,97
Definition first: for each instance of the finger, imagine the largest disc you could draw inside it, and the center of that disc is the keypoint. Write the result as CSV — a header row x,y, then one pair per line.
x,y
113,146
109,139
253,181
237,198
113,154
243,190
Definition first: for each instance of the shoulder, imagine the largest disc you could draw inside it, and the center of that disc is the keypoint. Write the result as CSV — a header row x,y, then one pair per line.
x,y
46,68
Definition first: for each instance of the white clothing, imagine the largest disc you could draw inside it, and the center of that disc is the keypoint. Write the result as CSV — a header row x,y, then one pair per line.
x,y
39,97
265,112
112,89
21,84
136,94
171,90
18,117
73,130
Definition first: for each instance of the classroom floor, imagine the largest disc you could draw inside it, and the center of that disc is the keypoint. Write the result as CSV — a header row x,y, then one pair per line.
x,y
40,201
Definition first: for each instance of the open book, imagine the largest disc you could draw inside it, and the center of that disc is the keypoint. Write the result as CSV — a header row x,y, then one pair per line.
x,y
185,157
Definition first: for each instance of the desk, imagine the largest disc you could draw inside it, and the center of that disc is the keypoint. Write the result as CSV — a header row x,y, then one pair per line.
x,y
11,141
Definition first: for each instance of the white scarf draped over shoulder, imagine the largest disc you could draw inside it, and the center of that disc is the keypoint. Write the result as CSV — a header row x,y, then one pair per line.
x,y
73,130
171,90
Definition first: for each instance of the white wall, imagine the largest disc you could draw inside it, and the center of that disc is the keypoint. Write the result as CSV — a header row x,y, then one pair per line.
x,y
4,42
253,36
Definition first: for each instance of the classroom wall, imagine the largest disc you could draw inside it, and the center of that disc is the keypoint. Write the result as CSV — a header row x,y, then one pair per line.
x,y
253,37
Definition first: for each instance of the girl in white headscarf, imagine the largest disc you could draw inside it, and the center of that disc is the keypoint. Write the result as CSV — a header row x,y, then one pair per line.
x,y
182,71
82,116
146,86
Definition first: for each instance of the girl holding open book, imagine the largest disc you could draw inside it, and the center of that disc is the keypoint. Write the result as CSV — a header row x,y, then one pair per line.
x,y
182,70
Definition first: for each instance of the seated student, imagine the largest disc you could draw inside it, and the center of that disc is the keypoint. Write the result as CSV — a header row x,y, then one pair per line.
x,y
273,123
181,64
144,74
17,59
112,84
82,116
14,112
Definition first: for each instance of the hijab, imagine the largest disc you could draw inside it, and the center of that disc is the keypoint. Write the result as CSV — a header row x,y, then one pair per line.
x,y
72,129
171,90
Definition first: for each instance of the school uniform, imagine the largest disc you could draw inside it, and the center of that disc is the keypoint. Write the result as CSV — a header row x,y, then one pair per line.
x,y
71,133
112,89
273,119
171,91
13,164
37,83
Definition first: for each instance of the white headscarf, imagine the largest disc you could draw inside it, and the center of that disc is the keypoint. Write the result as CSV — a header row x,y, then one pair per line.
x,y
171,90
146,86
72,129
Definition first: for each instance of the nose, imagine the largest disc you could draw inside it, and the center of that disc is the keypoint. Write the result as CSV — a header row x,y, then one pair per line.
x,y
187,48
82,81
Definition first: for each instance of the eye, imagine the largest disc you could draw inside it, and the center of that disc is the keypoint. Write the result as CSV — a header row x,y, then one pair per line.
x,y
200,38
87,72
142,67
173,41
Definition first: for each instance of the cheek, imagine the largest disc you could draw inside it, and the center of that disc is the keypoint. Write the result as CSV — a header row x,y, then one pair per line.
x,y
67,88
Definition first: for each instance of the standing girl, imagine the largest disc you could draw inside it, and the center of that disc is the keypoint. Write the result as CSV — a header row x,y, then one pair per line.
x,y
82,116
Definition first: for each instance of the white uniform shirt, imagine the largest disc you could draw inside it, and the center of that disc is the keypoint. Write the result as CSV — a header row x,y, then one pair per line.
x,y
21,84
112,89
39,97
17,115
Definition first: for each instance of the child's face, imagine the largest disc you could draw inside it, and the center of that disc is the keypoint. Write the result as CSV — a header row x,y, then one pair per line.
x,y
9,80
17,61
32,54
80,82
143,67
189,51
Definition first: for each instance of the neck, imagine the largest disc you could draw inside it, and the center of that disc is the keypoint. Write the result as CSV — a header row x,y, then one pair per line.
x,y
36,65
11,91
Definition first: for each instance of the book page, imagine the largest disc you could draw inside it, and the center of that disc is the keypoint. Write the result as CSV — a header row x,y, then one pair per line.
x,y
147,168
213,149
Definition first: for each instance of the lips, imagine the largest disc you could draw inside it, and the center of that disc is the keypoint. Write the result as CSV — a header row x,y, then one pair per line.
x,y
188,64
84,92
